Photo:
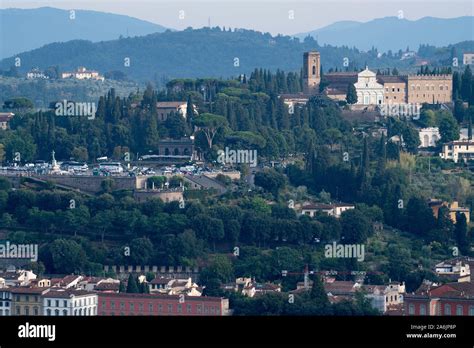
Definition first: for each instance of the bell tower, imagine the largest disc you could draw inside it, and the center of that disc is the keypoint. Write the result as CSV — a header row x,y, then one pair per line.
x,y
311,72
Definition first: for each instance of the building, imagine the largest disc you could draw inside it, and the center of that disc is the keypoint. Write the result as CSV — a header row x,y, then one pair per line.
x,y
35,74
332,209
447,299
82,74
456,269
202,182
294,100
430,89
27,301
394,88
338,84
384,297
5,118
453,209
17,278
68,302
163,285
458,150
124,304
5,302
164,109
177,147
311,72
468,58
369,91
69,281
428,137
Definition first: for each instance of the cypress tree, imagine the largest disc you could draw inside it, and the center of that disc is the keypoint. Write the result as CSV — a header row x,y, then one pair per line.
x,y
351,96
132,287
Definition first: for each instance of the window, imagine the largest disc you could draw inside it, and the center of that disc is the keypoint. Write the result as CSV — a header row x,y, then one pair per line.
x,y
188,308
57,303
471,310
199,308
180,308
48,311
112,305
49,303
458,310
411,309
27,298
447,309
56,312
64,303
27,310
160,308
132,306
422,309
170,308
140,307
122,305
150,307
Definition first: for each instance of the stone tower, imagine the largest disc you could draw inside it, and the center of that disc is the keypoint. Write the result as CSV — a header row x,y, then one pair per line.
x,y
311,72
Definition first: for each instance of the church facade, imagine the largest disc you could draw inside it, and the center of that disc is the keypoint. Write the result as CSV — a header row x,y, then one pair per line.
x,y
369,91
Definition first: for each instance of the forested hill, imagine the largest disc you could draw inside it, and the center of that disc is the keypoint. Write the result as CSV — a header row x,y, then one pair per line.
x,y
26,29
201,53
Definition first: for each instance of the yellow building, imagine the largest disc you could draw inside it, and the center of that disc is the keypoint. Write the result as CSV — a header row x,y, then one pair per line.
x,y
394,88
430,88
27,301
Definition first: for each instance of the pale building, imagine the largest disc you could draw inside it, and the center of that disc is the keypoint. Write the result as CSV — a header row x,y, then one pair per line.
x,y
164,109
369,91
456,150
330,209
430,88
428,137
468,58
82,74
66,302
394,88
457,269
382,297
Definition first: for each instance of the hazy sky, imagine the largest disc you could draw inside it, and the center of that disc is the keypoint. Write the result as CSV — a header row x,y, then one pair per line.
x,y
280,16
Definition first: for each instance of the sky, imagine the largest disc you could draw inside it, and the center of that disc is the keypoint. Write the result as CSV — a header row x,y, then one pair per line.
x,y
277,16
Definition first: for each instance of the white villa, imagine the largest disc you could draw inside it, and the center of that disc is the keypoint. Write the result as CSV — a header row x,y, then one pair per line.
x,y
428,136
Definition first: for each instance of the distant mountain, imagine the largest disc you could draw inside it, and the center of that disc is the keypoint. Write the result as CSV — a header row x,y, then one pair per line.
x,y
26,29
209,52
392,33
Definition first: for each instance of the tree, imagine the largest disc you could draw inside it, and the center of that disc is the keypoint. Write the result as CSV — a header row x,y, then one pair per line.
x,y
210,124
132,287
333,136
448,129
270,180
67,256
141,250
460,232
355,226
219,268
351,95
466,84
